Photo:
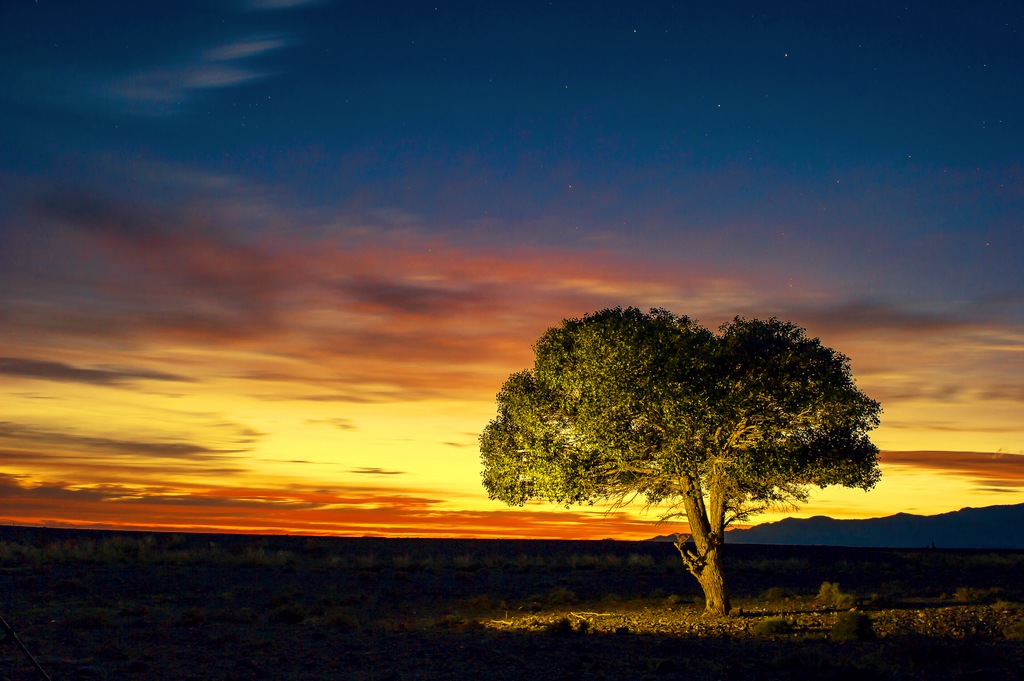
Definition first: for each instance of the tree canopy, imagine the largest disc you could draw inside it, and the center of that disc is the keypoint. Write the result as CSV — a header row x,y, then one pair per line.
x,y
624,405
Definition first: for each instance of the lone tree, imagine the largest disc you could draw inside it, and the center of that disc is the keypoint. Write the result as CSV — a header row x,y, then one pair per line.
x,y
622,405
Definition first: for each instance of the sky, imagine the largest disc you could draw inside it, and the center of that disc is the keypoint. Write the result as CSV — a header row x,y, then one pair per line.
x,y
264,264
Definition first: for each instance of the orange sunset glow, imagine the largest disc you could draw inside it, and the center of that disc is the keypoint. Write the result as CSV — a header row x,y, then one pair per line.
x,y
268,276
327,401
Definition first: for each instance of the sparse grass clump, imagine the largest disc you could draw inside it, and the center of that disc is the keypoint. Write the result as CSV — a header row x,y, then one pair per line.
x,y
637,561
830,596
776,594
565,626
288,614
675,599
772,626
340,619
479,603
194,617
367,561
90,618
1015,631
561,596
889,595
970,594
467,562
261,557
776,566
852,626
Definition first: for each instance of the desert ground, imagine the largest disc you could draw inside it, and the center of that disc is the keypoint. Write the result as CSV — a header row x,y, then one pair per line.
x,y
107,605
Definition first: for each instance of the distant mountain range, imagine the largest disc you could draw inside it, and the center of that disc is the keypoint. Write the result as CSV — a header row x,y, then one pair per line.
x,y
992,527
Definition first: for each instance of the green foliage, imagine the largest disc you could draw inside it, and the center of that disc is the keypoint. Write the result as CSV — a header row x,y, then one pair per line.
x,y
830,596
852,626
623,403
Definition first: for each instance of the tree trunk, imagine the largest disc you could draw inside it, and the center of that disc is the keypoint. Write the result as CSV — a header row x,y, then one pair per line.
x,y
704,559
706,566
716,598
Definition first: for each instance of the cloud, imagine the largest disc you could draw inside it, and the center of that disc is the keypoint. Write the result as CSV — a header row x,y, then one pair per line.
x,y
243,49
361,314
874,316
985,469
91,466
169,88
375,471
57,441
58,371
945,427
138,269
265,5
414,297
401,324
352,511
339,423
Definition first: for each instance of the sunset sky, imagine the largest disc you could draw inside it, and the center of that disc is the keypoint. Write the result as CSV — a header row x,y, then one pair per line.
x,y
264,264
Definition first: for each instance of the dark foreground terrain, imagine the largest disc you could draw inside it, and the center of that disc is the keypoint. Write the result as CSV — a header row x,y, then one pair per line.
x,y
97,605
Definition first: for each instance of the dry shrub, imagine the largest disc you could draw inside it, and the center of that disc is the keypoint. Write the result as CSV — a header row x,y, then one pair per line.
x,y
970,594
1015,631
561,596
831,596
564,626
852,626
777,593
772,626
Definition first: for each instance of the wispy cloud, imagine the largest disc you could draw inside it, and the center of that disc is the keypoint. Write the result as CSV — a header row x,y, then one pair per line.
x,y
264,5
984,469
169,88
57,441
339,423
364,315
58,371
876,315
354,511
